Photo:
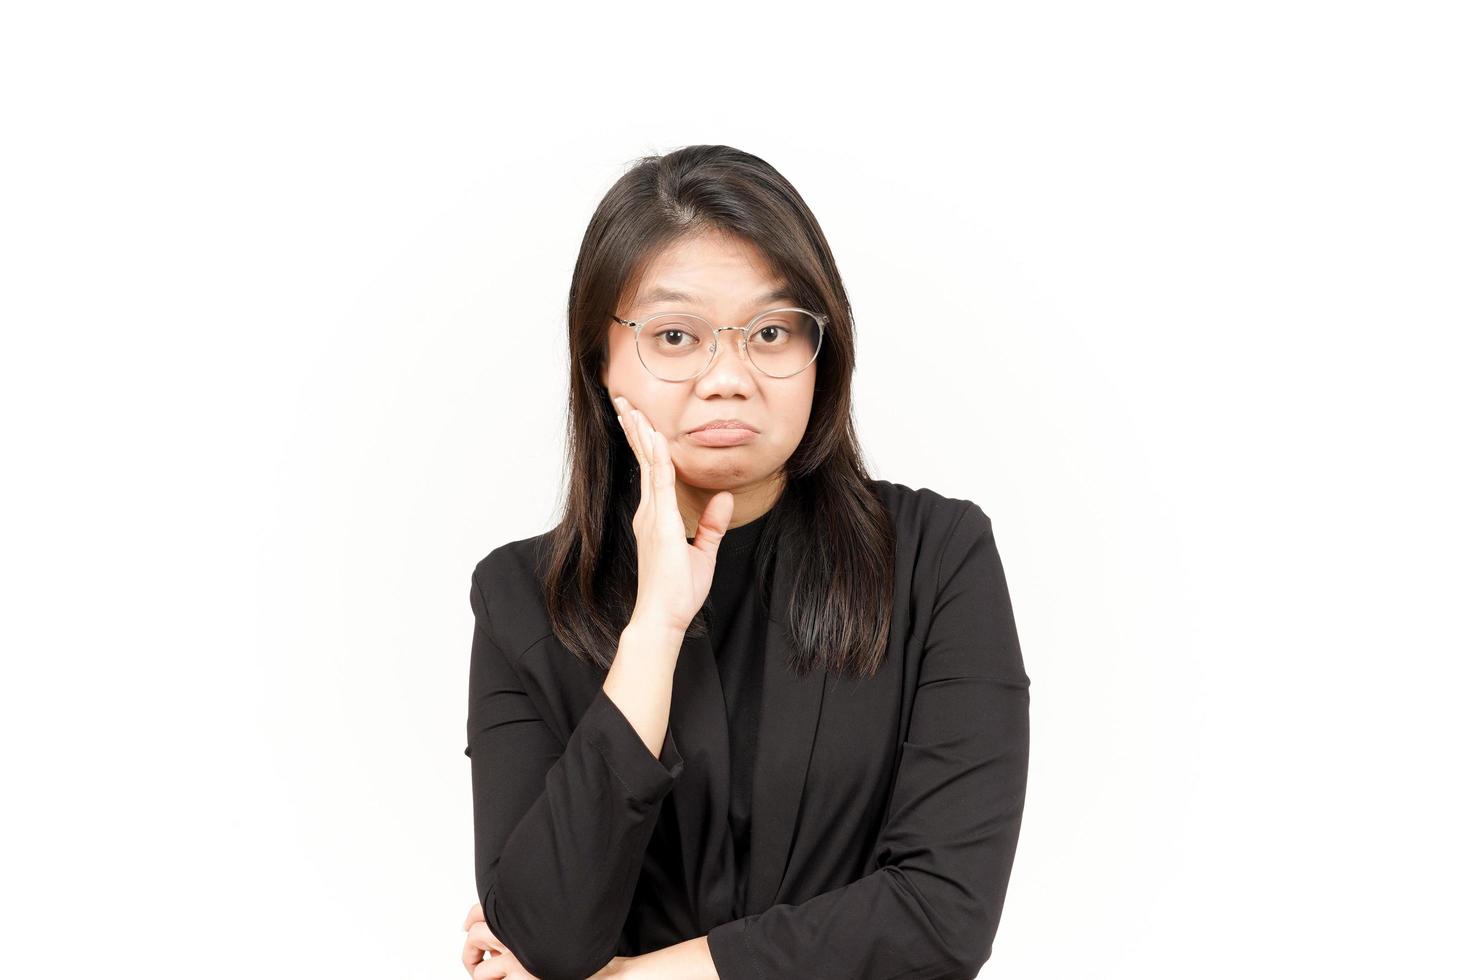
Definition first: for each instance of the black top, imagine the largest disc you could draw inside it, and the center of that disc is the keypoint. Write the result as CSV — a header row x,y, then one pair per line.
x,y
738,636
884,812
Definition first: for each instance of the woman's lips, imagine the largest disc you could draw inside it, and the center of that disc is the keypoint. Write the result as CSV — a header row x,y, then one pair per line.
x,y
725,424
722,436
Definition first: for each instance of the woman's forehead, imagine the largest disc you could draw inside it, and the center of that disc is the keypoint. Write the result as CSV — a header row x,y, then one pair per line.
x,y
658,293
707,270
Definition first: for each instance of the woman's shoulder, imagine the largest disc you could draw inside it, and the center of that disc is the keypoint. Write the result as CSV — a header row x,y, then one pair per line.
x,y
933,533
520,558
925,512
508,585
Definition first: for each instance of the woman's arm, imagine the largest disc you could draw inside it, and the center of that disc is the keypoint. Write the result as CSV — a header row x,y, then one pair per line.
x,y
689,960
932,906
560,831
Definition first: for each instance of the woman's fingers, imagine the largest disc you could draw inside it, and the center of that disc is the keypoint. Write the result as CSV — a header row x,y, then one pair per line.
x,y
641,432
659,451
661,484
480,940
646,501
476,914
650,450
717,514
630,430
627,425
481,936
471,955
491,969
635,424
645,432
641,436
632,421
663,479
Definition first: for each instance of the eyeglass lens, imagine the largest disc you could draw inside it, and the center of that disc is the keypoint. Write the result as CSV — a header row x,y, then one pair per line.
x,y
678,346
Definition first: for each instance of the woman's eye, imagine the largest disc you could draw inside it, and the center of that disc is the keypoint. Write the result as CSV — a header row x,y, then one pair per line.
x,y
771,333
670,338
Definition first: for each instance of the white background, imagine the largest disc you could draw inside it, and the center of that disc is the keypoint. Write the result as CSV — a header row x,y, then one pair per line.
x,y
1175,291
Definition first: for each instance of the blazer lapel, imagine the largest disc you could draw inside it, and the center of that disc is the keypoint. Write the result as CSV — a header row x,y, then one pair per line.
x,y
701,807
790,706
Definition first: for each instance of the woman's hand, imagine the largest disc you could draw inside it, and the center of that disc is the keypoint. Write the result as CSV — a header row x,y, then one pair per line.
x,y
501,964
618,966
674,575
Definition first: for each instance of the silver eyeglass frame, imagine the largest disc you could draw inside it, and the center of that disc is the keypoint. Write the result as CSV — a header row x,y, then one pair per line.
x,y
637,325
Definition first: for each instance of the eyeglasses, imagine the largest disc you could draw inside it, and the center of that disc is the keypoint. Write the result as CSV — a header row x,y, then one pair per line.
x,y
779,343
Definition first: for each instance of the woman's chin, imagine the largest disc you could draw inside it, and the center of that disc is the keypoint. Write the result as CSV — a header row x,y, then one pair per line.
x,y
713,479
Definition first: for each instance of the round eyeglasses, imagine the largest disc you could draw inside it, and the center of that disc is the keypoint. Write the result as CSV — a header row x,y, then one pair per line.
x,y
681,346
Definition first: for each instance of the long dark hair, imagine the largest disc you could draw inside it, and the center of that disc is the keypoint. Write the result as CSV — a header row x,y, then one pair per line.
x,y
829,520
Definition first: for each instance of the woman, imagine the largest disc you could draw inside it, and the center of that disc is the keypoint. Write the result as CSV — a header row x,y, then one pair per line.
x,y
745,712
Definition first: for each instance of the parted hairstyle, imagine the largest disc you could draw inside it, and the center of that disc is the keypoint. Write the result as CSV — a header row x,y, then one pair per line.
x,y
829,520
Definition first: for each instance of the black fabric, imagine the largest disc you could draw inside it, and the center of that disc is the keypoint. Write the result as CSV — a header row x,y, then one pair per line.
x,y
884,813
738,635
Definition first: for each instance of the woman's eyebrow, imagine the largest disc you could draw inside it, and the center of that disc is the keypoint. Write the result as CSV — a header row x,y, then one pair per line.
x,y
662,294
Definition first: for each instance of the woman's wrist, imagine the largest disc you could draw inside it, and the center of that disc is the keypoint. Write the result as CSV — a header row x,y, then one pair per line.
x,y
689,960
647,635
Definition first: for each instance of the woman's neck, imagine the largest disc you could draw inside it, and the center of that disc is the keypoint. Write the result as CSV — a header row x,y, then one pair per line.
x,y
750,502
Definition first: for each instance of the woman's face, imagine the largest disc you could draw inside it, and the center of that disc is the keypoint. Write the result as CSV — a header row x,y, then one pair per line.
x,y
728,282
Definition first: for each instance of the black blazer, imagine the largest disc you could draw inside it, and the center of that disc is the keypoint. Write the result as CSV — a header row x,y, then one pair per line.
x,y
885,815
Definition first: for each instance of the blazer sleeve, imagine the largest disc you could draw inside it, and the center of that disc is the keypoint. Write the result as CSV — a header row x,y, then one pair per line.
x,y
560,829
943,858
